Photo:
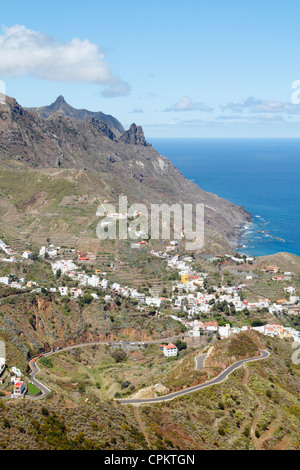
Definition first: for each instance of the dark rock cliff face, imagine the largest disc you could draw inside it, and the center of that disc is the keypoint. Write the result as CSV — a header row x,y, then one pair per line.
x,y
125,164
135,136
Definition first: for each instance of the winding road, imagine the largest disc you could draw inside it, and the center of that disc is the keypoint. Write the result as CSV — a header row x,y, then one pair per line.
x,y
35,369
45,391
132,401
220,378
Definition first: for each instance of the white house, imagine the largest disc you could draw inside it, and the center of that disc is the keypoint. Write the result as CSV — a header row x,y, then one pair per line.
x,y
75,292
16,371
290,289
141,298
170,350
19,390
63,290
104,284
153,301
4,280
93,281
195,332
224,331
42,251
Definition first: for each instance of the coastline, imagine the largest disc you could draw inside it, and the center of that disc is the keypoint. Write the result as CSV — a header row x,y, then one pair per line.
x,y
260,175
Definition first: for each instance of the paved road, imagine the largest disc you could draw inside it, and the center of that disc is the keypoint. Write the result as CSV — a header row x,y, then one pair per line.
x,y
35,369
45,391
200,361
220,378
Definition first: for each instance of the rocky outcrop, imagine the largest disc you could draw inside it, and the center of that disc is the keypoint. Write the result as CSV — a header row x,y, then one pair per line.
x,y
134,136
152,391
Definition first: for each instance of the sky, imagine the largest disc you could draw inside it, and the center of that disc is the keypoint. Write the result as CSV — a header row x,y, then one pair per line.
x,y
198,68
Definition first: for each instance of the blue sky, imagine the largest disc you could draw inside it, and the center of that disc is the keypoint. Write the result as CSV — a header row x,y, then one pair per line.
x,y
180,69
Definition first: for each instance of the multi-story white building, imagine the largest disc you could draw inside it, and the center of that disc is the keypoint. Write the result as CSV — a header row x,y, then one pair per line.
x,y
19,390
170,350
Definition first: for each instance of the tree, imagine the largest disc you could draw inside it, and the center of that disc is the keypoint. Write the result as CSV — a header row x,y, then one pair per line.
x,y
119,355
86,299
257,323
181,345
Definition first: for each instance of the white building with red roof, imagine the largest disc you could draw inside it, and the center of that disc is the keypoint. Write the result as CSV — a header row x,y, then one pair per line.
x,y
169,350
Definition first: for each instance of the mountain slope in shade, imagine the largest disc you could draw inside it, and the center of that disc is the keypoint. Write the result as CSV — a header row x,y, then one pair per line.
x,y
61,107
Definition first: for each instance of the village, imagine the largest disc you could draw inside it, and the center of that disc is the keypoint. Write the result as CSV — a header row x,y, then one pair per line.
x,y
191,297
189,292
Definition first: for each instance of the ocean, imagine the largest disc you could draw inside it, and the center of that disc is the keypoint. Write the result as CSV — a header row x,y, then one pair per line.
x,y
263,175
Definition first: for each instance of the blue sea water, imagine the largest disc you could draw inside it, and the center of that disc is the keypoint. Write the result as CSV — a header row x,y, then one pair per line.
x,y
263,175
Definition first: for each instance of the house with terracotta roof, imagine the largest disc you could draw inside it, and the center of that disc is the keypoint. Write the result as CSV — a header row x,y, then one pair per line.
x,y
19,390
271,269
278,278
211,326
27,254
169,350
83,258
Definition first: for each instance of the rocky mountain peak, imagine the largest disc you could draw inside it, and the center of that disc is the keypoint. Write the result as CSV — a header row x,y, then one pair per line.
x,y
134,135
61,107
60,100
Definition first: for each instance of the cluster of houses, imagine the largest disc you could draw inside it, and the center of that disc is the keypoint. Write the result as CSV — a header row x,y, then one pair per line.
x,y
196,327
188,293
20,386
27,254
286,276
20,283
199,302
9,251
51,251
69,268
14,377
134,294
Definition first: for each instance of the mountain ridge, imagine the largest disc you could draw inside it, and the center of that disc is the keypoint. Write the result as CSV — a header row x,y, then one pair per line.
x,y
108,166
60,106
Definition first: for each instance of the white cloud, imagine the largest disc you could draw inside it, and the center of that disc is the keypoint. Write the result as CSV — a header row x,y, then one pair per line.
x,y
254,105
187,104
27,52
